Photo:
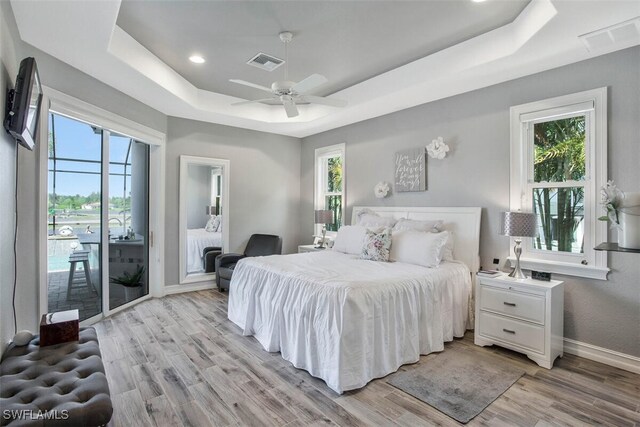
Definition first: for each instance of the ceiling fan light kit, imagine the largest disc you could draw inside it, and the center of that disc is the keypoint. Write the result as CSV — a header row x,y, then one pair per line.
x,y
290,93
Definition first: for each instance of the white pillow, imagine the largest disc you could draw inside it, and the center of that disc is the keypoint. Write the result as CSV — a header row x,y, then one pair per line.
x,y
418,247
373,220
447,252
433,226
350,239
219,227
364,211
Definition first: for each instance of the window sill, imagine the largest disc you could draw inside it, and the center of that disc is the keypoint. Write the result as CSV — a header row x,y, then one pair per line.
x,y
569,269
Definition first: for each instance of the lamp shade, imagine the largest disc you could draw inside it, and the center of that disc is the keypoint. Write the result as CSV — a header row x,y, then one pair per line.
x,y
324,216
518,224
212,210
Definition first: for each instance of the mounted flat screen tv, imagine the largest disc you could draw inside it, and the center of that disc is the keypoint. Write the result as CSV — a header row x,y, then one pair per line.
x,y
23,104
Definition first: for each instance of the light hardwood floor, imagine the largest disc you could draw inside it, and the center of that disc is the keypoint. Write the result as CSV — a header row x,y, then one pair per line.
x,y
178,361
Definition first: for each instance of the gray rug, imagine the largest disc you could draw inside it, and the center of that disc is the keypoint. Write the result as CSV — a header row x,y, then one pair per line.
x,y
457,384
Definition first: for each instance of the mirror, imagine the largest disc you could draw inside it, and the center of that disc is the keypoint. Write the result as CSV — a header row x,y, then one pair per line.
x,y
204,216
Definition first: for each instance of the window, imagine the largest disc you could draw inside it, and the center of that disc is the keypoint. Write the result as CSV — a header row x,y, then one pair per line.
x,y
330,184
558,164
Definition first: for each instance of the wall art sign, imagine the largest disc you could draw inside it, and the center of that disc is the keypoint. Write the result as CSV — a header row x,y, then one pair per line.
x,y
411,170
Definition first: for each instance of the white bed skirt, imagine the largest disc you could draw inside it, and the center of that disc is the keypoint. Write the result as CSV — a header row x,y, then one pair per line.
x,y
346,320
197,240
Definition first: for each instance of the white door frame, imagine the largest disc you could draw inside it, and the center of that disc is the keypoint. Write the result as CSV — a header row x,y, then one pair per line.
x,y
76,109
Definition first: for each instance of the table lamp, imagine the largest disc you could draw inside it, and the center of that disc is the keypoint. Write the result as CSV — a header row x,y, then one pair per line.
x,y
324,217
518,224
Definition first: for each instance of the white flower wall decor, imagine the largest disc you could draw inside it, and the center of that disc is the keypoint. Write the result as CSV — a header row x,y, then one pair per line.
x,y
381,190
438,149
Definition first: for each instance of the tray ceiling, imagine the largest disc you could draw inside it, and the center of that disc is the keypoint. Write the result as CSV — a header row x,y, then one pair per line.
x,y
386,57
346,41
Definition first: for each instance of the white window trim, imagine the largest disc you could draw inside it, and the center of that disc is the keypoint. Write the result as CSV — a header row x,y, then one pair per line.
x,y
318,200
594,104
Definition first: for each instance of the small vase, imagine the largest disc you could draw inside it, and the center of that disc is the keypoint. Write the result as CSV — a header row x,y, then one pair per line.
x,y
629,232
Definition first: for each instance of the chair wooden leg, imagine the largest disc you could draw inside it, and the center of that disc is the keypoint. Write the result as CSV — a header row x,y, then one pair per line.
x,y
87,276
72,271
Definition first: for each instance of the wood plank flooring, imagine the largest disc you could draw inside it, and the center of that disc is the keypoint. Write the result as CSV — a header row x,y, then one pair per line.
x,y
178,361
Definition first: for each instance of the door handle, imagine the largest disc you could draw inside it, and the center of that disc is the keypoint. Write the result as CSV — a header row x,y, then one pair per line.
x,y
509,331
510,304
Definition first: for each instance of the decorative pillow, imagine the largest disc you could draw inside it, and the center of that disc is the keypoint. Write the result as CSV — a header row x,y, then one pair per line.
x,y
212,224
374,220
418,247
349,239
219,227
377,245
364,211
433,226
447,251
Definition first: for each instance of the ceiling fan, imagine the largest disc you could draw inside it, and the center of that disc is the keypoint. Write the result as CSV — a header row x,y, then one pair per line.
x,y
289,93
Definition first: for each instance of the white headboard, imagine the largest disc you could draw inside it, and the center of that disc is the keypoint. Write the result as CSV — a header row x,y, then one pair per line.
x,y
463,222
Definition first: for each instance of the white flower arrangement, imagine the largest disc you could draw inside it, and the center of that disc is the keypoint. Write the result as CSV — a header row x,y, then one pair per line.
x,y
438,149
612,201
381,190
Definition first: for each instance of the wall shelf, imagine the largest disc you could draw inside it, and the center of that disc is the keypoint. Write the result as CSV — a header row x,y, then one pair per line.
x,y
608,246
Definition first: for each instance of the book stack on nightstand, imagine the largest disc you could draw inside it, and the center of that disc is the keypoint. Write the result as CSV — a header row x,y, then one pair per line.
x,y
524,315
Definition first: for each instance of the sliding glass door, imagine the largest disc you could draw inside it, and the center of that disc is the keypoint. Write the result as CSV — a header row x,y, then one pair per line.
x,y
128,219
97,182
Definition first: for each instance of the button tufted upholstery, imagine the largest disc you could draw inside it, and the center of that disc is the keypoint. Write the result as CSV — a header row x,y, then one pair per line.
x,y
65,377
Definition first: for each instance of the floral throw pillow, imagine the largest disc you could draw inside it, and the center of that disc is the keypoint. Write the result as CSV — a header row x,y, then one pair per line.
x,y
212,224
377,245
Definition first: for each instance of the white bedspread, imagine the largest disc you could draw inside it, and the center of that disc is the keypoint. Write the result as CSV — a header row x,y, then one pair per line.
x,y
197,240
348,320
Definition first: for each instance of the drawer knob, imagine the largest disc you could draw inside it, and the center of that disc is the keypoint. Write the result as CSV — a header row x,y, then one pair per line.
x,y
510,304
509,331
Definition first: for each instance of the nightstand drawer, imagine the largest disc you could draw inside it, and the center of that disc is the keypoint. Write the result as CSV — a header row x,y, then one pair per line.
x,y
522,334
523,306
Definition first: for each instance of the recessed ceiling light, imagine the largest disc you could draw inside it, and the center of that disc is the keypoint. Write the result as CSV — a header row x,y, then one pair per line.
x,y
197,59
477,1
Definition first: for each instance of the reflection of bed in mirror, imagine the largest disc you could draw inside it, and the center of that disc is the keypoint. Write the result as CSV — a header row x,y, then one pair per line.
x,y
204,217
197,240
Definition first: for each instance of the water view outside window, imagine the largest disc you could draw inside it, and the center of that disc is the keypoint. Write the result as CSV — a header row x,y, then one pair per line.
x,y
559,171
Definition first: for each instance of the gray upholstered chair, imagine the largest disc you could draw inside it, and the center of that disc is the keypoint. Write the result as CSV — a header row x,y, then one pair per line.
x,y
258,245
209,255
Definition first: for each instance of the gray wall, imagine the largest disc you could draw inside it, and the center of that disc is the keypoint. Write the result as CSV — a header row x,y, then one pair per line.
x,y
476,173
8,69
264,183
198,195
71,81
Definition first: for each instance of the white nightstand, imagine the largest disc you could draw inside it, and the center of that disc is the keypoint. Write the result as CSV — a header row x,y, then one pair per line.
x,y
308,248
523,315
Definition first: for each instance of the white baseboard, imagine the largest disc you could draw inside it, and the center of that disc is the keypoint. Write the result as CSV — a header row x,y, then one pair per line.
x,y
603,355
178,289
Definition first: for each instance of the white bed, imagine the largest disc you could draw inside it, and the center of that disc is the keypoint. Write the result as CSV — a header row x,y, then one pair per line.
x,y
348,320
197,240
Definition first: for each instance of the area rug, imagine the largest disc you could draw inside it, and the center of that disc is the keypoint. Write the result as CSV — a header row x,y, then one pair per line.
x,y
456,383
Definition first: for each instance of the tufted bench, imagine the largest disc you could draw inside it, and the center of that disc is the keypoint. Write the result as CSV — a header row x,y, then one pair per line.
x,y
62,384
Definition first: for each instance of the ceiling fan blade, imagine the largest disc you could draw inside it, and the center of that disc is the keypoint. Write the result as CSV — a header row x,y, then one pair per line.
x,y
290,108
253,85
310,83
323,101
252,102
